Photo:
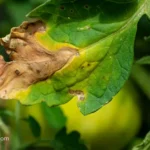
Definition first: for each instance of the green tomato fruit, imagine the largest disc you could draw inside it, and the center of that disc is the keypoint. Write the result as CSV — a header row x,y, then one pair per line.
x,y
111,127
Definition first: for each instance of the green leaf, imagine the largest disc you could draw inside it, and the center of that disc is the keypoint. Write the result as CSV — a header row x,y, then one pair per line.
x,y
34,126
145,145
144,60
54,116
64,141
103,34
7,113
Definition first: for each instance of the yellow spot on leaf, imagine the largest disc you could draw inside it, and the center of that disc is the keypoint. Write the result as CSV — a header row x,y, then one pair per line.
x,y
20,94
47,42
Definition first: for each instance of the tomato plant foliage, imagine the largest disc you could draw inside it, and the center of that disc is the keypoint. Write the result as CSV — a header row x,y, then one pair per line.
x,y
103,32
145,145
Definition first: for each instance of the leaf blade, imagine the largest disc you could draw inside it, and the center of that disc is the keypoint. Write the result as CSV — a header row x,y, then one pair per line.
x,y
104,39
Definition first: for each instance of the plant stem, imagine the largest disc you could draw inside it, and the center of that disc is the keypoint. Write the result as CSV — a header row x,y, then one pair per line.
x,y
4,127
142,78
17,114
6,133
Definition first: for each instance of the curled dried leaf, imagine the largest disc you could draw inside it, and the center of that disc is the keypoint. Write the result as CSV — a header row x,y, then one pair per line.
x,y
30,61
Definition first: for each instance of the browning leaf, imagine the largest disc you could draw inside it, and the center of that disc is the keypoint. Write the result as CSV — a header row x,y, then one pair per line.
x,y
31,62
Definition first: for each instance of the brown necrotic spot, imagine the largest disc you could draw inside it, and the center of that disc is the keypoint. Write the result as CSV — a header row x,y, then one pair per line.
x,y
78,93
17,72
38,71
88,64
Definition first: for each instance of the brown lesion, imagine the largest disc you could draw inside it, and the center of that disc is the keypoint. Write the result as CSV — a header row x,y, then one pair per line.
x,y
80,94
30,62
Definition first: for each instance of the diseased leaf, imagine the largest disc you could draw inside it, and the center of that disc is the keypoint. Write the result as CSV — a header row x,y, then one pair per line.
x,y
31,62
145,145
87,46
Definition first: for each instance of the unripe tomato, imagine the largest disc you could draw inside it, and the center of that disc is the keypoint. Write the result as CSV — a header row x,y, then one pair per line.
x,y
111,127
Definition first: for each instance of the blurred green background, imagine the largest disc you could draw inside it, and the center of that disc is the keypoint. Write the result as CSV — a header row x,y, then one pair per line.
x,y
13,12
